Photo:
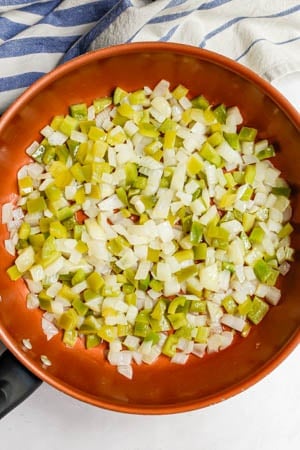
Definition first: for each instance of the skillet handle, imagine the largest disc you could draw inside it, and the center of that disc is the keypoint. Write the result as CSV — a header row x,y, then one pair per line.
x,y
16,383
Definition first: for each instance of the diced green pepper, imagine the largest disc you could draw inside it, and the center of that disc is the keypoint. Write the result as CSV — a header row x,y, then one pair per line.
x,y
186,273
177,320
247,134
257,235
245,307
282,190
36,205
68,125
196,233
68,320
229,304
13,273
79,111
92,340
80,307
258,310
286,230
265,273
70,338
101,103
202,334
220,113
95,281
209,153
266,153
233,140
169,347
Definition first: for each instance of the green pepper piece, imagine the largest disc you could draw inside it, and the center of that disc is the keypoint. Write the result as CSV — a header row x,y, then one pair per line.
x,y
90,325
24,231
209,153
233,140
58,230
200,102
215,139
202,334
265,273
13,273
119,95
68,320
177,320
158,325
101,103
286,230
144,284
184,255
186,273
95,281
226,265
175,304
38,154
124,329
266,153
92,340
153,337
79,111
68,125
196,234
35,205
282,190
194,165
169,347
141,329
122,195
159,309
250,173
80,307
70,338
220,113
153,255
108,333
89,294
258,310
200,251
128,288
130,298
184,332
257,235
247,134
156,285
245,307
229,304
198,306
37,240
130,173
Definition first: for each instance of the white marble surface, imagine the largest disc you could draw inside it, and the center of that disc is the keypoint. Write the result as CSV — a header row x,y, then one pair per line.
x,y
265,417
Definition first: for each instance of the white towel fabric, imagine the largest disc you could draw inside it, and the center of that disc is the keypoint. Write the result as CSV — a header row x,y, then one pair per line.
x,y
36,36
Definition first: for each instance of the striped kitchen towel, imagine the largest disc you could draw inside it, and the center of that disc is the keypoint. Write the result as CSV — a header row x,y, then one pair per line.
x,y
36,36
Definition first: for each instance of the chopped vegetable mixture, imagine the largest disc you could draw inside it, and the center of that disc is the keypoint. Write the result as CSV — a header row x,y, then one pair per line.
x,y
151,222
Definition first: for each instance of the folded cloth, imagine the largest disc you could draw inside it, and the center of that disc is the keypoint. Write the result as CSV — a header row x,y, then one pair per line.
x,y
36,36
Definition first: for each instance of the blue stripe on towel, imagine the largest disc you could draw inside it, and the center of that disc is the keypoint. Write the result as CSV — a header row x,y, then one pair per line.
x,y
82,45
8,29
266,40
78,15
19,81
231,22
28,46
41,9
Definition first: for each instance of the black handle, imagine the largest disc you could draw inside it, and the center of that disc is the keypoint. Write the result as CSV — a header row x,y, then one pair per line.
x,y
16,383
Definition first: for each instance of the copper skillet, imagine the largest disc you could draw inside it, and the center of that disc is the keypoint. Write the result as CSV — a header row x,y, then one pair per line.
x,y
84,374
